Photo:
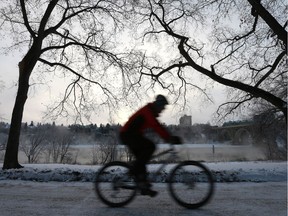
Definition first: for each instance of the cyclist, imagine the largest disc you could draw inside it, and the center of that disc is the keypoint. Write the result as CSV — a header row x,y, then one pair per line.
x,y
132,134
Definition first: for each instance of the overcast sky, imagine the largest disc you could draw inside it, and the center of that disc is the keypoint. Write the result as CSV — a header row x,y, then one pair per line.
x,y
41,95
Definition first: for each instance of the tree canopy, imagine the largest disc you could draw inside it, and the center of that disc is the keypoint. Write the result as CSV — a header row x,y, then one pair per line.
x,y
75,39
240,44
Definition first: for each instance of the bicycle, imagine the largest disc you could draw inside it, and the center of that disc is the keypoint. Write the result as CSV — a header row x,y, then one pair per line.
x,y
116,187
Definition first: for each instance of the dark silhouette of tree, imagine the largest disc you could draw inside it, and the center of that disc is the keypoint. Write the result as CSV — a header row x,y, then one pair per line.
x,y
2,86
66,37
240,44
80,40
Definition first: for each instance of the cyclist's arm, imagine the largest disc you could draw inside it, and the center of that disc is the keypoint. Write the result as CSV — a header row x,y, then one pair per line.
x,y
154,123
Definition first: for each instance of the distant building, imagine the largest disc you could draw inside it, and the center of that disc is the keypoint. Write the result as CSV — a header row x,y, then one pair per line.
x,y
185,121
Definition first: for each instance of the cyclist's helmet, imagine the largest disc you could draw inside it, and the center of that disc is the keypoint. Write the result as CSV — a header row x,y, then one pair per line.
x,y
161,101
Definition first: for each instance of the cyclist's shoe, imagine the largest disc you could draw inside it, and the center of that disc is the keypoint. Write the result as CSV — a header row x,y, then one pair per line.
x,y
145,189
149,192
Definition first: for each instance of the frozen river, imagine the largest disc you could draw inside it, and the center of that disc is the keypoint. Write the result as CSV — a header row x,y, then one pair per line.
x,y
88,154
200,152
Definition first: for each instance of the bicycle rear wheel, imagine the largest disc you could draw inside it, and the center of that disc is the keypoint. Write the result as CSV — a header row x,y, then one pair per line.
x,y
113,184
191,184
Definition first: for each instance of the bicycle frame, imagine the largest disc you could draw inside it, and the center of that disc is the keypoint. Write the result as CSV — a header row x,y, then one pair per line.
x,y
173,154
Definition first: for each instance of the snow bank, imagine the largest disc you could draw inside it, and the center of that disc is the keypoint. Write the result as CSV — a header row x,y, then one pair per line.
x,y
222,172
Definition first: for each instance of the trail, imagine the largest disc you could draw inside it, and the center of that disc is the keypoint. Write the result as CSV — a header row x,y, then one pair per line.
x,y
78,198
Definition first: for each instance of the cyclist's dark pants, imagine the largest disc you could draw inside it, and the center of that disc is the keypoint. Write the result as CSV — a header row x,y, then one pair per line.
x,y
142,148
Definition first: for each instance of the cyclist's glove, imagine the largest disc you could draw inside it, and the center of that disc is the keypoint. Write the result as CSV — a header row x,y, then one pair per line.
x,y
175,140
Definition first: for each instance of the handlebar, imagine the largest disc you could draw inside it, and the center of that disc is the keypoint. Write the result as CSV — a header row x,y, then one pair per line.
x,y
171,149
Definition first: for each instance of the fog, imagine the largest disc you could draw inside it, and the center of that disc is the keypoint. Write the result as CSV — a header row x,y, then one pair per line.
x,y
84,154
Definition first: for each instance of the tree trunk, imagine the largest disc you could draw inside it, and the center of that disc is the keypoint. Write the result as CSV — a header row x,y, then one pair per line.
x,y
11,154
25,69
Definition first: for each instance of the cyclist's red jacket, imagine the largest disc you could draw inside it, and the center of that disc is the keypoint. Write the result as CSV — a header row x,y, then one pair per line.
x,y
143,119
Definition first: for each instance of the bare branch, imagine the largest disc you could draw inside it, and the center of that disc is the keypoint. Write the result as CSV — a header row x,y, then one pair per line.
x,y
26,21
272,68
231,68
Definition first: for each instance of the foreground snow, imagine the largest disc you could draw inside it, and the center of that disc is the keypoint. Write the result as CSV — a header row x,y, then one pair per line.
x,y
18,198
222,171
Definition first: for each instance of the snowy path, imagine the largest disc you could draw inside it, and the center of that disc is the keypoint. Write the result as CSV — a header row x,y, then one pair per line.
x,y
19,197
257,189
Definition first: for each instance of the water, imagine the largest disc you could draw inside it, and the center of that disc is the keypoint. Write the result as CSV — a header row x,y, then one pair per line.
x,y
94,154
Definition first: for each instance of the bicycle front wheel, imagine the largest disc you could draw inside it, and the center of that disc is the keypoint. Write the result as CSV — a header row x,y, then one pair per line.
x,y
191,184
113,184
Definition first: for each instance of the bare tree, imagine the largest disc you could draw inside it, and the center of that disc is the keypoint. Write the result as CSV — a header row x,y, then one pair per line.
x,y
59,141
65,144
94,154
240,44
53,151
80,38
107,149
32,144
3,138
3,141
269,131
72,37
127,154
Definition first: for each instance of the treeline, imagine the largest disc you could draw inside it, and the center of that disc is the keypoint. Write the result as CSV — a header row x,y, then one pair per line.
x,y
54,142
197,133
49,141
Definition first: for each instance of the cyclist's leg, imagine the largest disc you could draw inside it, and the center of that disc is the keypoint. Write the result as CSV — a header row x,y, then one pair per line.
x,y
131,140
143,149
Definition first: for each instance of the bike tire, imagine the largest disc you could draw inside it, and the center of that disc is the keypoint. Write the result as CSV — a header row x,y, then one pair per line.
x,y
191,184
113,184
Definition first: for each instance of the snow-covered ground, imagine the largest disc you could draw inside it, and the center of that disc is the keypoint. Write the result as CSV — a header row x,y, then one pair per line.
x,y
20,198
262,171
57,189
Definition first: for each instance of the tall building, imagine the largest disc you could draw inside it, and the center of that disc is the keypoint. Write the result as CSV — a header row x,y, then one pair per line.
x,y
185,121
